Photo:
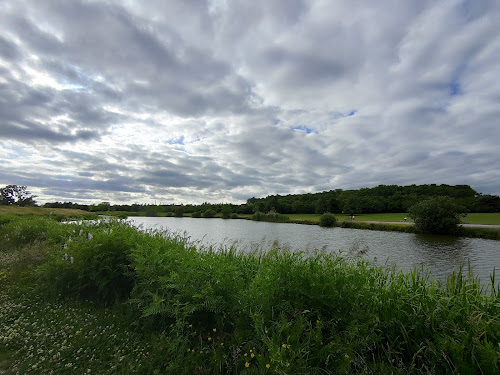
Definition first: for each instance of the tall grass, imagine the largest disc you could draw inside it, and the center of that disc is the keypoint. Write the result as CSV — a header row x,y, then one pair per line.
x,y
209,311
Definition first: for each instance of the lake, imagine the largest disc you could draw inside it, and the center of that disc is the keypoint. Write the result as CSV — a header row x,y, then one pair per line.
x,y
438,254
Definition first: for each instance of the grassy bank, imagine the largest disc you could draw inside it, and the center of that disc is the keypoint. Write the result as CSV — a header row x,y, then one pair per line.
x,y
108,299
56,213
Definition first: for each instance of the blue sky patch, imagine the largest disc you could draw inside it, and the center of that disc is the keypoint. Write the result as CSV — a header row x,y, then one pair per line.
x,y
305,129
454,88
178,141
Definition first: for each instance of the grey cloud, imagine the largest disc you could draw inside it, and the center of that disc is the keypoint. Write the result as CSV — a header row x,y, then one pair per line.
x,y
8,50
93,96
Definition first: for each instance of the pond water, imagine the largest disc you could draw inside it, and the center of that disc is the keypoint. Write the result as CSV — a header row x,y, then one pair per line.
x,y
438,254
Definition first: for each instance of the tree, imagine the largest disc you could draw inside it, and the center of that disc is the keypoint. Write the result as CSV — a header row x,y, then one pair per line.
x,y
16,195
439,215
179,211
209,213
351,204
226,212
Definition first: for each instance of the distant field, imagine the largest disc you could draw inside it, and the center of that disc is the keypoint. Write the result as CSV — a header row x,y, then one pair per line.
x,y
16,210
474,218
480,218
365,217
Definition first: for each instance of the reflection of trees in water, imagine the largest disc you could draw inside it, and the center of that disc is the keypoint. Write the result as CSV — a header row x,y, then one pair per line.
x,y
441,254
359,247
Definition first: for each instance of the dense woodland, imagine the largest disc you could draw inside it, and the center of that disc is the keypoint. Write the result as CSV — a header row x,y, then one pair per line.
x,y
380,199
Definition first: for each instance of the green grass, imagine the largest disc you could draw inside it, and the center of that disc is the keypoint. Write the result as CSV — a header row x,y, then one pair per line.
x,y
483,218
39,211
472,218
107,299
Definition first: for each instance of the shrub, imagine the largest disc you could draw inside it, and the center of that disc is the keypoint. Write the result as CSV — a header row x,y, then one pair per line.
x,y
94,262
21,231
196,214
327,220
209,213
272,217
439,215
226,212
179,211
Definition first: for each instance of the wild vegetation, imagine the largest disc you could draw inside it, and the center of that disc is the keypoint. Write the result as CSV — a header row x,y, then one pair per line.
x,y
107,298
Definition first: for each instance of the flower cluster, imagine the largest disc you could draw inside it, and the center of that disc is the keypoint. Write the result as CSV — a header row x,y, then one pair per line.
x,y
46,337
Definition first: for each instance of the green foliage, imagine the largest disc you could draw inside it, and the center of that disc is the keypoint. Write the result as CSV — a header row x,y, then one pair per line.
x,y
226,212
439,215
272,217
209,213
93,262
206,311
41,336
327,220
19,231
179,211
17,195
196,214
5,219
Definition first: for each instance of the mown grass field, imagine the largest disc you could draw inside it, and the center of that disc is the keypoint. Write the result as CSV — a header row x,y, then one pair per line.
x,y
105,298
472,218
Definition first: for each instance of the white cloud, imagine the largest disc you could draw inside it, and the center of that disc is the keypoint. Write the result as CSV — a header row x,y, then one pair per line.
x,y
224,100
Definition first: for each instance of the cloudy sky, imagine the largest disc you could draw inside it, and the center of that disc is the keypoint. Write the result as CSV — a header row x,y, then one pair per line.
x,y
192,100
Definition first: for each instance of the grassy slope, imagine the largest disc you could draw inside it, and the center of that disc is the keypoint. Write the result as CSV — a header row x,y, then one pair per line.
x,y
16,210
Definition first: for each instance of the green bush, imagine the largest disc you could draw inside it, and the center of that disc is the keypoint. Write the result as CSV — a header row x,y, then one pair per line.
x,y
94,262
196,214
23,230
327,220
209,213
272,217
226,212
439,215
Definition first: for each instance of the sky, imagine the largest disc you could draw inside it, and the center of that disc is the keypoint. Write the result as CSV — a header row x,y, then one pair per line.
x,y
192,101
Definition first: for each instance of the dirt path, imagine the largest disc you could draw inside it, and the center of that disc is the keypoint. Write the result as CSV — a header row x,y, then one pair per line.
x,y
490,226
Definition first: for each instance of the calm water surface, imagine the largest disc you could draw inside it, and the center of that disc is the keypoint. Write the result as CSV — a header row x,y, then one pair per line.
x,y
438,254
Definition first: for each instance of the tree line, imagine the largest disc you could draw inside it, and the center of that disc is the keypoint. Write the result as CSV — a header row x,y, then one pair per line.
x,y
380,199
